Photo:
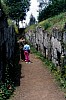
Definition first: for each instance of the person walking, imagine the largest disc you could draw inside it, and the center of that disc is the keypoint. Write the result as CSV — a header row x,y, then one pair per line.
x,y
22,52
26,49
21,45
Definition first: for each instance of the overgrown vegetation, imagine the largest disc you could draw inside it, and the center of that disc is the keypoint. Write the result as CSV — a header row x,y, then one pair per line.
x,y
53,8
15,9
6,89
56,21
32,27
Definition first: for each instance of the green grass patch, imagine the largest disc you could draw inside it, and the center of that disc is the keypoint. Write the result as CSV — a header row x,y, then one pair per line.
x,y
56,21
6,90
32,27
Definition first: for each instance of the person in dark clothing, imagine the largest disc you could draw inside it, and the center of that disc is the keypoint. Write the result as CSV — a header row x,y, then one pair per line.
x,y
22,53
21,45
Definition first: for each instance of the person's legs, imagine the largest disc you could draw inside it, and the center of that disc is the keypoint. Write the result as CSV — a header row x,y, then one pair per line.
x,y
22,53
26,55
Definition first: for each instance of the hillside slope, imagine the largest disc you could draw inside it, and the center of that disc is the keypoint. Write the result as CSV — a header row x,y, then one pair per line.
x,y
57,21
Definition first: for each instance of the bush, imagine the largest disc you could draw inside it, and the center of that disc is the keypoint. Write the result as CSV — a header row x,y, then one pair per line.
x,y
6,89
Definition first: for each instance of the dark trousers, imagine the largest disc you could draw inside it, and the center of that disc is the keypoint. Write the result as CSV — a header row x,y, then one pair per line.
x,y
22,54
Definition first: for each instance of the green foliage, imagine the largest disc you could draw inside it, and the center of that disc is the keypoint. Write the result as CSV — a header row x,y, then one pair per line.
x,y
16,29
56,21
7,86
6,90
16,8
47,25
32,27
5,8
10,23
54,8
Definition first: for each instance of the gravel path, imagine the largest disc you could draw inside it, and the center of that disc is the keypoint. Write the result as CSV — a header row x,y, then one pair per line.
x,y
37,83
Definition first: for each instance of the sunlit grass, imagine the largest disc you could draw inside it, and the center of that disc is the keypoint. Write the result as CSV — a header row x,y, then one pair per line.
x,y
32,27
56,21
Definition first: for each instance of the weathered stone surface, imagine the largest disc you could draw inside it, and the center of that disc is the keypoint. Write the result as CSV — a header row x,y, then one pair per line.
x,y
50,45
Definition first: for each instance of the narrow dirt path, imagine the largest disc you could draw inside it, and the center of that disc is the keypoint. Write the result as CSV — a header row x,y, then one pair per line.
x,y
37,83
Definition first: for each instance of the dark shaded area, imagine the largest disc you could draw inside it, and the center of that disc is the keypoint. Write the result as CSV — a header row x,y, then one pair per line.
x,y
58,56
11,67
21,45
22,54
22,32
3,58
37,47
44,51
15,68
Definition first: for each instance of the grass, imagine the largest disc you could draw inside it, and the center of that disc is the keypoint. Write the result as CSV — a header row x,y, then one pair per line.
x,y
56,21
32,27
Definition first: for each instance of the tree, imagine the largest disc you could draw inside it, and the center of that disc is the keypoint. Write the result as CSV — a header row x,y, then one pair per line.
x,y
4,7
17,8
55,7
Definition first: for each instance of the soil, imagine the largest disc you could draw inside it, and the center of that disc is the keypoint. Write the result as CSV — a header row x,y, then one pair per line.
x,y
37,83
